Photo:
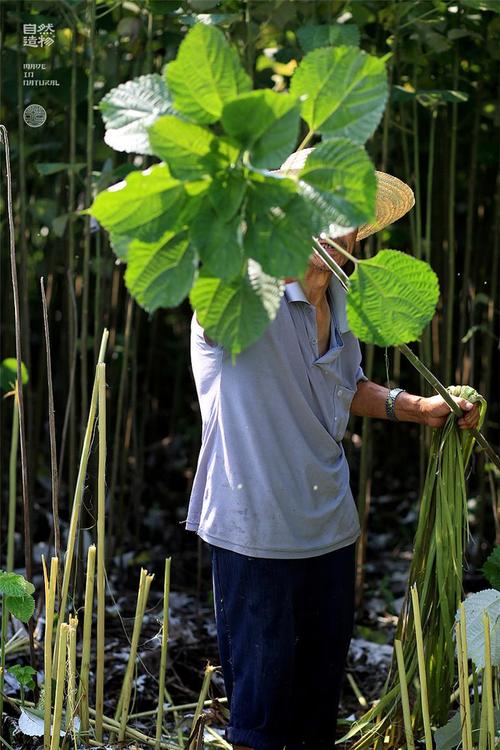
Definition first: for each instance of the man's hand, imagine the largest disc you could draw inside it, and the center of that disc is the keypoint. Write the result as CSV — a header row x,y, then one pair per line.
x,y
435,411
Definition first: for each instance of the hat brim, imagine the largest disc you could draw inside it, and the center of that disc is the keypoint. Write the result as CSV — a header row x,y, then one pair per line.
x,y
394,197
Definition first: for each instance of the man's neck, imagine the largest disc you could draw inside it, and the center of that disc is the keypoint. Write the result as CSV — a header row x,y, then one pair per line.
x,y
315,283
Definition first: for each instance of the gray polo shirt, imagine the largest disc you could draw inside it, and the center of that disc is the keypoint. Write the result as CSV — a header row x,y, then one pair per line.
x,y
272,478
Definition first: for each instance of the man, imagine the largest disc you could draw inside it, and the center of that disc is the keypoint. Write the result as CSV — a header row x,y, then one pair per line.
x,y
271,496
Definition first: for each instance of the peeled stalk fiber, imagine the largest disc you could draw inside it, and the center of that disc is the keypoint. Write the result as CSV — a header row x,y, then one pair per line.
x,y
436,572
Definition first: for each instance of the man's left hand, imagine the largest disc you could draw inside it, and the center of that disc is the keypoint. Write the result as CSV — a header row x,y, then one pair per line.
x,y
435,411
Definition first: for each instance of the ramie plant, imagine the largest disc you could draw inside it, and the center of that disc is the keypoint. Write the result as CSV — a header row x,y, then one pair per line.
x,y
213,221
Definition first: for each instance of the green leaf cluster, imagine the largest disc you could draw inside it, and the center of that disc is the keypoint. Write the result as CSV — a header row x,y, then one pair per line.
x,y
214,219
17,595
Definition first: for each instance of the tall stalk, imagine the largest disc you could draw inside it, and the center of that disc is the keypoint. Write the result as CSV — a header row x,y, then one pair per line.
x,y
22,422
101,540
52,430
450,292
87,638
91,6
50,595
14,444
164,648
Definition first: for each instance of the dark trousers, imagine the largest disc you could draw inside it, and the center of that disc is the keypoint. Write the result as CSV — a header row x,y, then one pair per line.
x,y
283,629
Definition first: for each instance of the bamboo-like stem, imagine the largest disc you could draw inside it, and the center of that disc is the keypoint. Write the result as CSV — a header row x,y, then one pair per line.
x,y
52,429
101,551
60,683
422,672
462,654
118,423
4,136
72,704
87,638
463,690
50,595
488,683
173,709
405,703
3,639
77,500
124,700
207,678
450,292
164,649
91,8
14,444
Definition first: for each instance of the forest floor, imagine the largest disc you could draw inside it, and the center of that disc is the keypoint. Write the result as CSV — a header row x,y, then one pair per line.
x,y
192,634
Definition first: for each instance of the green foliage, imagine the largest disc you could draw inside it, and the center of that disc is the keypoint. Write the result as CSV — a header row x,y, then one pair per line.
x,y
337,34
491,568
344,92
24,675
341,182
236,313
212,199
205,75
475,605
392,297
8,373
130,108
17,595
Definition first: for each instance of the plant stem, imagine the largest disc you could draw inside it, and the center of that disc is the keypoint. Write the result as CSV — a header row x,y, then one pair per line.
x,y
78,496
488,682
422,672
101,551
163,658
207,678
60,684
462,654
87,639
14,443
405,703
50,594
450,296
52,429
71,707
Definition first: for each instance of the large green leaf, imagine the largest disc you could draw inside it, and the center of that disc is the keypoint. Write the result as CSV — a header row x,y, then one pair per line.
x,y
205,74
265,123
236,313
475,605
341,182
21,607
13,584
185,147
226,192
130,108
493,5
8,373
146,204
160,274
218,242
280,225
391,299
491,568
337,34
344,90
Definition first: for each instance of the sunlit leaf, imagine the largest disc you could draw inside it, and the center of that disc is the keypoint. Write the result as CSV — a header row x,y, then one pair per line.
x,y
491,568
21,607
130,108
344,91
186,148
391,299
218,242
205,74
340,180
265,123
146,204
160,274
334,35
8,373
236,313
475,605
280,225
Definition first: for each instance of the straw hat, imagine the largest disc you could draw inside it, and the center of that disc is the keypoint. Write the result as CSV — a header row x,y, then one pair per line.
x,y
394,197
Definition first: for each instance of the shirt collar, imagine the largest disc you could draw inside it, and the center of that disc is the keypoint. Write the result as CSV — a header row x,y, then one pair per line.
x,y
295,293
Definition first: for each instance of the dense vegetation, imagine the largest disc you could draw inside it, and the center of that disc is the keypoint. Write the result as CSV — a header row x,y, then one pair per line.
x,y
439,133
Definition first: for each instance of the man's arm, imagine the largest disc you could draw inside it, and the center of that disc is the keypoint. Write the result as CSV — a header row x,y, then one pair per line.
x,y
369,401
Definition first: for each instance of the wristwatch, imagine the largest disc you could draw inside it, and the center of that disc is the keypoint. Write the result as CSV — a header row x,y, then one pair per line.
x,y
390,402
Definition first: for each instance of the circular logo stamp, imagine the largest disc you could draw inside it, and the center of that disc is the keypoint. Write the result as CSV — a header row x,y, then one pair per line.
x,y
34,115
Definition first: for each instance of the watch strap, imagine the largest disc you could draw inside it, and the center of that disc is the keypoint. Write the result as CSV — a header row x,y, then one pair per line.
x,y
390,403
